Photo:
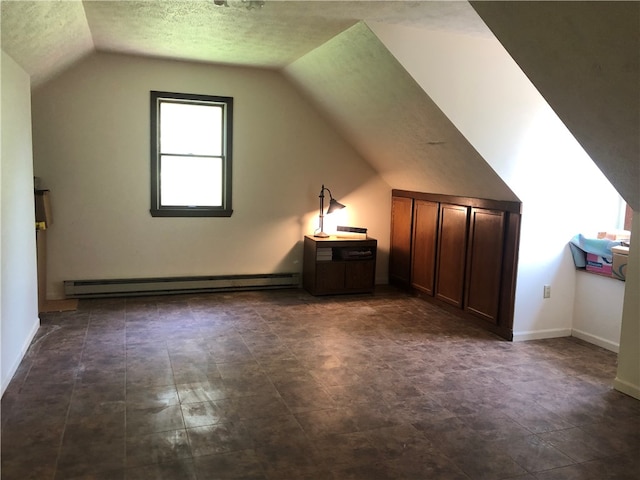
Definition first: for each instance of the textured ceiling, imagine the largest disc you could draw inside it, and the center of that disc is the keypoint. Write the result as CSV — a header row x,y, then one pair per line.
x,y
44,37
390,120
586,64
587,77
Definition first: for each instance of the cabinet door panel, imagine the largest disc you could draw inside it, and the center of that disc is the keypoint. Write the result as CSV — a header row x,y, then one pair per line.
x,y
484,264
330,276
425,234
400,251
359,275
452,249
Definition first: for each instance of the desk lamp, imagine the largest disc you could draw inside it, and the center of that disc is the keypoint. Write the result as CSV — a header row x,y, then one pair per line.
x,y
333,206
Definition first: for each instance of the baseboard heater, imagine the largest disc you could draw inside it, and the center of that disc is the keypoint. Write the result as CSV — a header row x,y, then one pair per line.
x,y
175,285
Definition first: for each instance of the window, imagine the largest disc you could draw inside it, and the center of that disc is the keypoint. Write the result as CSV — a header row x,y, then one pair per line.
x,y
190,155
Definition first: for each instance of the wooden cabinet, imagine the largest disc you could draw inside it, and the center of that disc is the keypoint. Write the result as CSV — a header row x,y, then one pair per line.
x,y
400,251
451,254
459,250
484,264
337,265
425,234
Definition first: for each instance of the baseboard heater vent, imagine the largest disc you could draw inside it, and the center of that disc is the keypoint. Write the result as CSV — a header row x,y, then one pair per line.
x,y
174,285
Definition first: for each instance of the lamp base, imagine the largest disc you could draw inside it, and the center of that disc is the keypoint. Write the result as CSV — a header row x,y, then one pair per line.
x,y
321,235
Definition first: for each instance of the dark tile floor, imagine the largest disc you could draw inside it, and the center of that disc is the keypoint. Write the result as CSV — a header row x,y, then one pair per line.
x,y
282,385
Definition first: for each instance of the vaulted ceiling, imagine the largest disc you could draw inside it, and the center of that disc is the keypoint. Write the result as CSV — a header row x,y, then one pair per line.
x,y
582,56
47,36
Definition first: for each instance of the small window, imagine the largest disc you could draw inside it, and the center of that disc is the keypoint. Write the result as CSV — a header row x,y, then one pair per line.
x,y
190,155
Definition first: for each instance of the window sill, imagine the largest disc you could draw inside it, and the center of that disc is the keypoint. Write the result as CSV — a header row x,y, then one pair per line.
x,y
189,212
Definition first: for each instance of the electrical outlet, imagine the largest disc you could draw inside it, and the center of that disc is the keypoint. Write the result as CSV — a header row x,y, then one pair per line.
x,y
547,291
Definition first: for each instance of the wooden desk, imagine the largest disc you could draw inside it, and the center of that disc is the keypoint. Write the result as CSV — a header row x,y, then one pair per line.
x,y
338,265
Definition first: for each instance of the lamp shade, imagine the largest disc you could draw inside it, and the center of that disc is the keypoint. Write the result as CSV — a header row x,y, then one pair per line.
x,y
334,205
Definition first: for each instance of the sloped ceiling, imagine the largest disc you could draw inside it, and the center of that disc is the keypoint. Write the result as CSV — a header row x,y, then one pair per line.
x,y
584,58
44,37
390,120
386,116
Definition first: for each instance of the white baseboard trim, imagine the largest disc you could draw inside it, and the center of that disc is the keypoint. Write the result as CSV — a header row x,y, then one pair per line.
x,y
14,368
595,340
627,388
541,334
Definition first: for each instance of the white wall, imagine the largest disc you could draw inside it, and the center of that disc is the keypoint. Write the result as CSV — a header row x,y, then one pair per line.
x,y
485,94
628,376
597,315
18,281
91,149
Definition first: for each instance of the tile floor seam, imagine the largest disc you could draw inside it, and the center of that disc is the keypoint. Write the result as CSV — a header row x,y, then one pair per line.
x,y
71,397
386,337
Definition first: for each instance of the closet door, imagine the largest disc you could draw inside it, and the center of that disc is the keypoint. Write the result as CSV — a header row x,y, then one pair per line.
x,y
452,251
400,249
425,235
484,263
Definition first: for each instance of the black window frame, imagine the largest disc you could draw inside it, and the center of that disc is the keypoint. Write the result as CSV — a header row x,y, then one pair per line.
x,y
157,209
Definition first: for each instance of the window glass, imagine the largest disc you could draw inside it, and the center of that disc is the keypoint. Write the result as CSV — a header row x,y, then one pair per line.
x,y
190,181
191,128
